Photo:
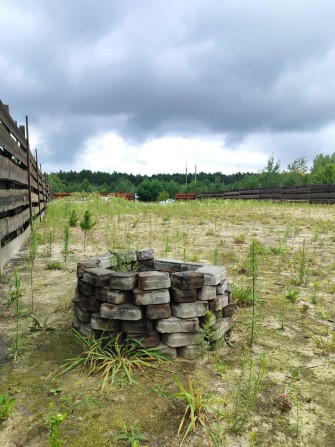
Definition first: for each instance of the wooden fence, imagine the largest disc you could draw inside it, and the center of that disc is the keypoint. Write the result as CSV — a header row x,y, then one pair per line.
x,y
307,194
24,190
130,196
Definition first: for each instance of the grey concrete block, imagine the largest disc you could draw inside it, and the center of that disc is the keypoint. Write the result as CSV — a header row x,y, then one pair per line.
x,y
123,280
190,266
113,296
167,351
147,297
206,293
90,303
148,340
145,254
85,329
97,277
218,303
120,311
105,261
222,287
153,280
228,310
183,296
189,310
174,324
87,289
142,326
125,256
179,339
213,274
104,324
158,311
221,328
77,296
85,264
187,280
83,314
168,265
188,352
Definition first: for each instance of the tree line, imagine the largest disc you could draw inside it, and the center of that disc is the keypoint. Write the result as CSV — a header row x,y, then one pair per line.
x,y
164,186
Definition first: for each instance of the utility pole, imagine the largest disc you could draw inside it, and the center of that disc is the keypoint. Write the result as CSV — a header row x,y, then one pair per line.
x,y
186,174
195,173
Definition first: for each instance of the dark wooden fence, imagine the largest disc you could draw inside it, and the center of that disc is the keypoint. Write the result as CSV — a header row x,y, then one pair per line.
x,y
24,190
307,194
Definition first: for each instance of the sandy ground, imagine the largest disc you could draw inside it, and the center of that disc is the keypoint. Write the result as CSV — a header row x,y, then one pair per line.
x,y
297,254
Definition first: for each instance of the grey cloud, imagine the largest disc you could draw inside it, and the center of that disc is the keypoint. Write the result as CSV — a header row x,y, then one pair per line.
x,y
151,68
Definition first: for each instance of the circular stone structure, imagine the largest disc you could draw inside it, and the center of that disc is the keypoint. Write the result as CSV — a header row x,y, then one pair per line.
x,y
163,303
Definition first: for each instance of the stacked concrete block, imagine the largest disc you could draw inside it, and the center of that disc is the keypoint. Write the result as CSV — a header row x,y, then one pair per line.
x,y
163,303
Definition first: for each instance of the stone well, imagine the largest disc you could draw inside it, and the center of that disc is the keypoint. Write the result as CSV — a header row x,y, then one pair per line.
x,y
162,302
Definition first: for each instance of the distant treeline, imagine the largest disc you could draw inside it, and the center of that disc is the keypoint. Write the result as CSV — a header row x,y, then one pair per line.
x,y
163,186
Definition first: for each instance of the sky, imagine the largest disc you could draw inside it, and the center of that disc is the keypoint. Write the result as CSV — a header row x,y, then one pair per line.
x,y
153,86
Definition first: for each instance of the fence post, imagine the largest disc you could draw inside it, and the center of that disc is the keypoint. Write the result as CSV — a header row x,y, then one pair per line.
x,y
29,171
38,186
43,187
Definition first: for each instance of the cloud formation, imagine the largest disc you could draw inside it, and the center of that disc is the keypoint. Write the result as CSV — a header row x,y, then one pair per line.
x,y
148,83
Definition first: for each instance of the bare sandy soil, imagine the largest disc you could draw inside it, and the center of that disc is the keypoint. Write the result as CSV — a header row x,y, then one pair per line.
x,y
295,329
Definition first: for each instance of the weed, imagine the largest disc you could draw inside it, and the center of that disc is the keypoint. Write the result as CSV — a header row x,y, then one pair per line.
x,y
242,295
292,295
297,403
325,344
252,439
204,340
131,434
197,407
303,272
109,358
315,289
248,387
54,265
54,423
239,239
254,272
219,366
50,239
40,325
14,298
66,244
32,256
6,406
73,219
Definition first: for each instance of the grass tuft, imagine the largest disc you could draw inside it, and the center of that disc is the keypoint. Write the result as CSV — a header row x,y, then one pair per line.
x,y
112,359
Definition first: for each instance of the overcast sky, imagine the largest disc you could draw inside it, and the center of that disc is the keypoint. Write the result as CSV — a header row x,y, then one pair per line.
x,y
146,86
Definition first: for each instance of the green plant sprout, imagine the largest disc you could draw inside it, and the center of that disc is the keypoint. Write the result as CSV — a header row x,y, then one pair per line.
x,y
86,225
248,387
6,406
14,298
54,423
66,247
197,407
132,435
33,246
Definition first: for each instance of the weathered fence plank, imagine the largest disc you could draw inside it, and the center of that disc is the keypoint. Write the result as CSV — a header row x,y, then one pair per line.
x,y
9,171
24,190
